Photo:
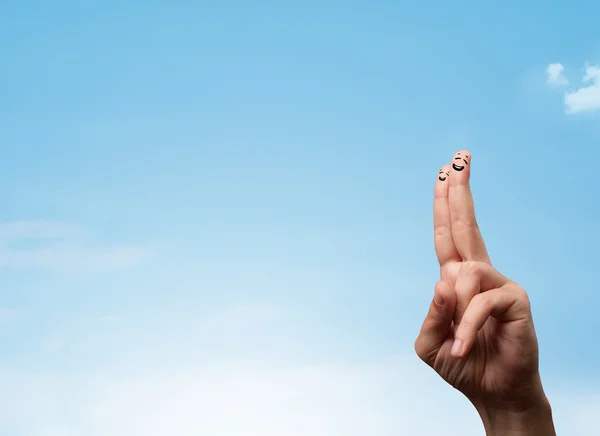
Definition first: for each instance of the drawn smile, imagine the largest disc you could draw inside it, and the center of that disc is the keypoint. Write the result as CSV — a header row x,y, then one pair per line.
x,y
442,176
459,167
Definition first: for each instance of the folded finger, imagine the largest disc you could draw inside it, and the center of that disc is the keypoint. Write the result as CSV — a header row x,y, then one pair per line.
x,y
505,303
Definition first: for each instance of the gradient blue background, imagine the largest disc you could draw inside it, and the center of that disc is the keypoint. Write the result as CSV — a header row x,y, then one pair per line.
x,y
284,153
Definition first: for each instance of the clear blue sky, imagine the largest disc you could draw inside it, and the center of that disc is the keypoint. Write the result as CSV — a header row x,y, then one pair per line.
x,y
209,183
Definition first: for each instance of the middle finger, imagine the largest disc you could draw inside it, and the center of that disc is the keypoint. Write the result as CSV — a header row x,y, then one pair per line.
x,y
465,231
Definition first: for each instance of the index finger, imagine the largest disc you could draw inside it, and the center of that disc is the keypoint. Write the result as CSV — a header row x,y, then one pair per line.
x,y
465,231
442,230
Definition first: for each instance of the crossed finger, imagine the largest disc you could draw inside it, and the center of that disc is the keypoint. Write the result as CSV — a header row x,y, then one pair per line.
x,y
465,231
442,229
456,233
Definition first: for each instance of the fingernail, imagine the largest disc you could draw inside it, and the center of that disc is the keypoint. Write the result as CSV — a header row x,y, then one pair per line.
x,y
437,297
457,348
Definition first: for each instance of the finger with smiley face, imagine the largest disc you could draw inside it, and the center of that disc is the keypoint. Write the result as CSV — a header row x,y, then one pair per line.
x,y
460,161
444,244
465,231
444,173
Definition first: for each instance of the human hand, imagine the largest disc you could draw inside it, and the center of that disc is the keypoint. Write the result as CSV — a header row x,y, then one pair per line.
x,y
479,334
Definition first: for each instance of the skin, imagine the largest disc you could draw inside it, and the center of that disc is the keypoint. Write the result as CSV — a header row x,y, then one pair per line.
x,y
479,334
460,161
443,175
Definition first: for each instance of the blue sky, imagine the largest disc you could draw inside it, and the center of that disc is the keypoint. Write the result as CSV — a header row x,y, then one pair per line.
x,y
200,192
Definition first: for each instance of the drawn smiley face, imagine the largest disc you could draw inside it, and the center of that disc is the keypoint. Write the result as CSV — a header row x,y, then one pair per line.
x,y
443,175
460,161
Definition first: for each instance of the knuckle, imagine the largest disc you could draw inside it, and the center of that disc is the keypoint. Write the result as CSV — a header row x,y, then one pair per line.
x,y
469,274
464,225
442,287
471,267
464,294
522,296
441,230
480,302
420,349
485,302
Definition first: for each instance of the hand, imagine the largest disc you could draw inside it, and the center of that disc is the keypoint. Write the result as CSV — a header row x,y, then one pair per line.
x,y
479,334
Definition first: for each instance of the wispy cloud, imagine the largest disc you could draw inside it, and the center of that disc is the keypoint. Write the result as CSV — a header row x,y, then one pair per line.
x,y
60,246
238,399
231,396
555,75
586,98
389,396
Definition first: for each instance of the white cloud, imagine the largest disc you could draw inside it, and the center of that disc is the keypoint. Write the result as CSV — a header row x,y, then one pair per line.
x,y
150,396
384,398
387,397
586,98
52,245
555,75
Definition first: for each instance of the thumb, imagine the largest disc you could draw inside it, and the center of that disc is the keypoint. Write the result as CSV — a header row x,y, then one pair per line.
x,y
436,327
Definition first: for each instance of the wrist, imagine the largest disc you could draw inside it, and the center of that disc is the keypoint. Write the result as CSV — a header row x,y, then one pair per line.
x,y
531,418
